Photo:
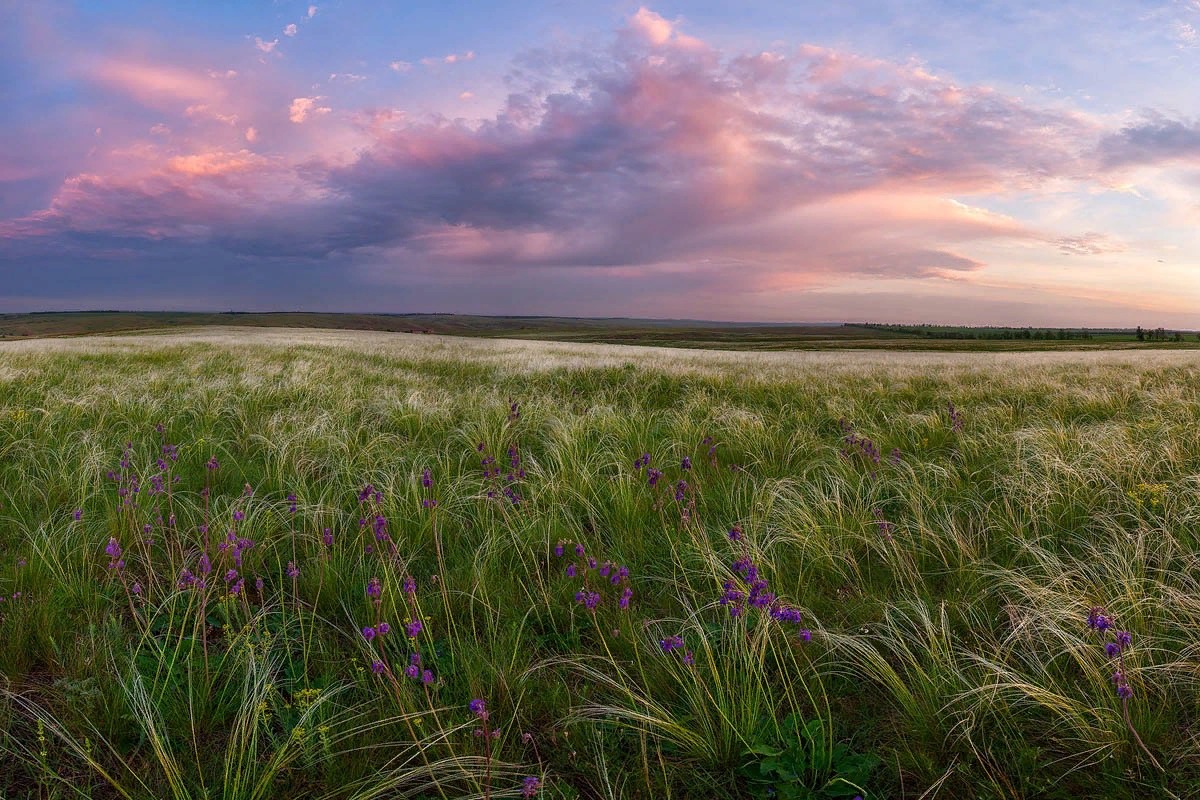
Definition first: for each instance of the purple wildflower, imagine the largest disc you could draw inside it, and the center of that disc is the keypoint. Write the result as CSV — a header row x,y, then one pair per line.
x,y
113,550
377,667
414,628
671,643
478,708
368,633
292,570
589,600
1098,619
956,418
530,786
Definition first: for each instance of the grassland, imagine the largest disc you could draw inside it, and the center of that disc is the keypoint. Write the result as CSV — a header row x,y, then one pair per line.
x,y
642,332
922,630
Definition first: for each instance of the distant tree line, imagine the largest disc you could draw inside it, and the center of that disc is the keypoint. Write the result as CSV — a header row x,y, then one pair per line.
x,y
1159,335
1032,334
949,332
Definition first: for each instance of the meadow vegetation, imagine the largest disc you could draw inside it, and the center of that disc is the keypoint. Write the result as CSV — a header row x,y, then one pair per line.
x,y
255,564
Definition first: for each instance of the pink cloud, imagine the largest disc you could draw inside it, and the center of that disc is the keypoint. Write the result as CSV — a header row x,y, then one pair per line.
x,y
156,85
304,107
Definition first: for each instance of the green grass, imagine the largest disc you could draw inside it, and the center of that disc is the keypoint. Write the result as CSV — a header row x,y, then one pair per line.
x,y
946,591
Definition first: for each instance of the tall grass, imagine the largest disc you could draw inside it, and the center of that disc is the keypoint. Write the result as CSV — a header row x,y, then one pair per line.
x,y
944,589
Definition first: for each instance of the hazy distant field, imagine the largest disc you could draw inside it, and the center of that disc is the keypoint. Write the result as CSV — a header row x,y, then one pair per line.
x,y
642,332
838,584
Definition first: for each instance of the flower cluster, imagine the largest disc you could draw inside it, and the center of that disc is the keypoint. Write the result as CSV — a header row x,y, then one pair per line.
x,y
680,491
750,590
510,486
881,523
416,672
855,446
113,550
485,731
1117,645
128,483
673,643
602,573
428,500
956,418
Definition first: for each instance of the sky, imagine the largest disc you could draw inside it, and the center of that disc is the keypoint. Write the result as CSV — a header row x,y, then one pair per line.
x,y
886,160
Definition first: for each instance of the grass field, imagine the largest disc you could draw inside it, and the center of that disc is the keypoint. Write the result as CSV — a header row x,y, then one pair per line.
x,y
255,563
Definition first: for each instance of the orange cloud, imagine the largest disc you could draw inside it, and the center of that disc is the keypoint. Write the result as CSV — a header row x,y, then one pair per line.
x,y
215,163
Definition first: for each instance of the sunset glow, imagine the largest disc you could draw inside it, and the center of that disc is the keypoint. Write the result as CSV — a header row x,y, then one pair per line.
x,y
782,162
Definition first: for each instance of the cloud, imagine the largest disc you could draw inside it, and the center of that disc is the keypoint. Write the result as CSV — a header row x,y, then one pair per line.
x,y
227,74
450,58
216,163
155,85
651,26
466,95
251,134
290,30
160,130
304,107
1089,244
266,47
346,77
1186,35
1156,139
312,12
400,66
